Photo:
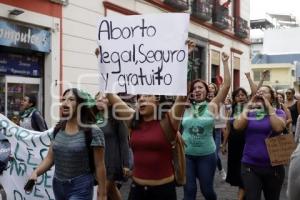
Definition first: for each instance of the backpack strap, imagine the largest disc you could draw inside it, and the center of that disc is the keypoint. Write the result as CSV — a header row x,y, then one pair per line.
x,y
88,140
58,126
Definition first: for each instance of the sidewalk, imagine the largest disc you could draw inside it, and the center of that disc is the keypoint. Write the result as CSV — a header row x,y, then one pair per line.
x,y
224,190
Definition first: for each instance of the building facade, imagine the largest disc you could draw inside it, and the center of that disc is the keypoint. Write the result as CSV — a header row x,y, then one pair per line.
x,y
215,25
30,43
280,54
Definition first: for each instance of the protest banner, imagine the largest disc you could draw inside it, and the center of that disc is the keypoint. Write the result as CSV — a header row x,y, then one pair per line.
x,y
28,149
143,54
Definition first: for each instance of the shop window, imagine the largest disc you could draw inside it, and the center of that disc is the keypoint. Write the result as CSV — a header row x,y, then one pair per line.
x,y
196,68
215,72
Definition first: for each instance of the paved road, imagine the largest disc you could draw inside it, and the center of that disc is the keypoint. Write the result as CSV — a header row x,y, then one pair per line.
x,y
224,190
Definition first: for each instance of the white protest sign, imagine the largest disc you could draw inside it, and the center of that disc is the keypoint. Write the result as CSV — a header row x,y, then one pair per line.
x,y
28,149
143,54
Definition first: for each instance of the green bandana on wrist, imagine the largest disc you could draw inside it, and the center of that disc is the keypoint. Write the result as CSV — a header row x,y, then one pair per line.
x,y
199,108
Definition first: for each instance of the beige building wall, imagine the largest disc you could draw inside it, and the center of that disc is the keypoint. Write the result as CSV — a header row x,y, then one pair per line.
x,y
282,76
79,40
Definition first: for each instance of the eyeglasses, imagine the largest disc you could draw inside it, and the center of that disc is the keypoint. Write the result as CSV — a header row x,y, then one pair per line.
x,y
288,93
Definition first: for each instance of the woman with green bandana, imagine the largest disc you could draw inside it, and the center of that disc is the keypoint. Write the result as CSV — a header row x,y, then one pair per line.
x,y
258,122
116,146
197,132
76,150
30,117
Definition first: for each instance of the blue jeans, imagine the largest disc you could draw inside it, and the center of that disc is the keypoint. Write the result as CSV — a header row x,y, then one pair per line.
x,y
78,188
218,138
203,168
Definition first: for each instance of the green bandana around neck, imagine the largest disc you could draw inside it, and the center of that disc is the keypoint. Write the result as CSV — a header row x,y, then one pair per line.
x,y
27,112
88,99
238,109
199,109
260,114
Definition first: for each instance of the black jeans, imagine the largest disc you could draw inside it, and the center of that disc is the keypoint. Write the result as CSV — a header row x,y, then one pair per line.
x,y
160,192
258,179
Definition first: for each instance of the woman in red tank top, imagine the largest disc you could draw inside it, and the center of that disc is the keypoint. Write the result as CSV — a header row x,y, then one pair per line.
x,y
153,175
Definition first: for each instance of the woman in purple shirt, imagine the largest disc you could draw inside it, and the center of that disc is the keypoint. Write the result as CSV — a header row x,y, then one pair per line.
x,y
258,122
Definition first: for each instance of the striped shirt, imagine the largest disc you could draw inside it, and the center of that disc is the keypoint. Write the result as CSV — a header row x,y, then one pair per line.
x,y
71,153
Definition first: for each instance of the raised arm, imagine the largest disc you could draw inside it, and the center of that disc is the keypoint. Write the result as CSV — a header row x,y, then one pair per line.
x,y
241,121
226,85
120,107
253,86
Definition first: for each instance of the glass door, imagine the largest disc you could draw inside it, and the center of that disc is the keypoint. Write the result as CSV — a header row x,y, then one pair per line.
x,y
16,88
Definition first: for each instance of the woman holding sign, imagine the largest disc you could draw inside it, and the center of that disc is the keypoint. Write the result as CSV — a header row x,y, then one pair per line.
x,y
77,150
153,173
197,130
258,122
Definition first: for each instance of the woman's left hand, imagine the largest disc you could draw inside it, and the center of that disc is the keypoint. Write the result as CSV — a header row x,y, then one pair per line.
x,y
126,172
191,45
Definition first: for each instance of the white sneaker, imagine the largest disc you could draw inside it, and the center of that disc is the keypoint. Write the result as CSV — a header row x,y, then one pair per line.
x,y
222,174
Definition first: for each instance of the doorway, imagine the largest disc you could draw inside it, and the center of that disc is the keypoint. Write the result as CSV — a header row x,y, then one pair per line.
x,y
13,89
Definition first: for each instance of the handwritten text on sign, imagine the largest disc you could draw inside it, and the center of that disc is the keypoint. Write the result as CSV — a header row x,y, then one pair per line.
x,y
29,148
143,54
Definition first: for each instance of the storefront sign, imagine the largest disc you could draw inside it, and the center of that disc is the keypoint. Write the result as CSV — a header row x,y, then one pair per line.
x,y
15,35
17,64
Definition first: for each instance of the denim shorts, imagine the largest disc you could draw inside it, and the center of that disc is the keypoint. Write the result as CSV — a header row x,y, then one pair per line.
x,y
77,188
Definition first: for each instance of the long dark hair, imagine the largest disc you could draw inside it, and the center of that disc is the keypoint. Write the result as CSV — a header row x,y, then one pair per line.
x,y
167,104
87,117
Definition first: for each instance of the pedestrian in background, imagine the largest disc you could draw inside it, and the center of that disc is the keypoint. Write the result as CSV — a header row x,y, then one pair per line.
x,y
30,117
234,142
293,105
220,124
